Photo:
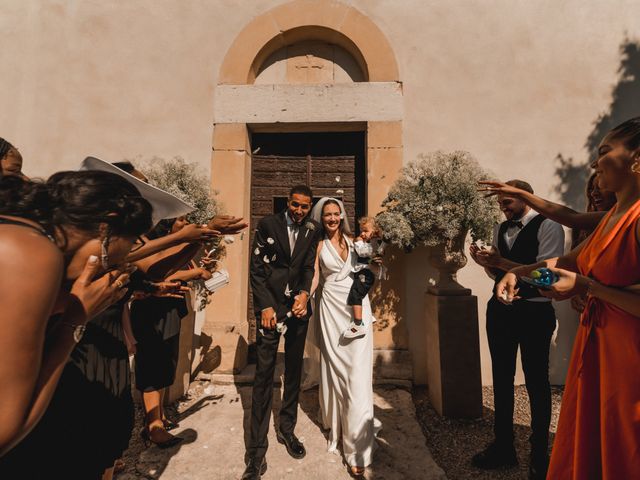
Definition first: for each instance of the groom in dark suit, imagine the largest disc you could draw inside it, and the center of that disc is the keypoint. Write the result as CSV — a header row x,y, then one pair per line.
x,y
282,268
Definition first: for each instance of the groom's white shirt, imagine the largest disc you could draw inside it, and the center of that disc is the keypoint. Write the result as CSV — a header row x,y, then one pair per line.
x,y
292,233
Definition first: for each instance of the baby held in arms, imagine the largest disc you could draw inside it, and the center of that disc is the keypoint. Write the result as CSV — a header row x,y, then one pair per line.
x,y
369,247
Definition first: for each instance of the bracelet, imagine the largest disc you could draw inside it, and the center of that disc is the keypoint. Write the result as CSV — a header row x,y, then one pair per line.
x,y
77,329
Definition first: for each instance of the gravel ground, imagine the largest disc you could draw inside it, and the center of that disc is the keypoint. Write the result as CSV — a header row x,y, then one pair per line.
x,y
454,442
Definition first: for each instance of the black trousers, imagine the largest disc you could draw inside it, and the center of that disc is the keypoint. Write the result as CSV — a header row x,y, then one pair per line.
x,y
262,397
528,325
362,283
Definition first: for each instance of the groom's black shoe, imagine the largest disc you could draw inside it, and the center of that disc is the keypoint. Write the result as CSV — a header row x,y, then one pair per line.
x,y
496,456
255,469
538,465
294,447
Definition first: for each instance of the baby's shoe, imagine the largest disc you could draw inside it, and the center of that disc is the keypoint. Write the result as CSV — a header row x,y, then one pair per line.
x,y
355,330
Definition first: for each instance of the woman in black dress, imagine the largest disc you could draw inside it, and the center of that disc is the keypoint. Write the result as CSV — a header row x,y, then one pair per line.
x,y
110,213
156,327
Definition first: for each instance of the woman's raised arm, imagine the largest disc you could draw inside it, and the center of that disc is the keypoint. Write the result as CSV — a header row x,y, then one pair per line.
x,y
554,211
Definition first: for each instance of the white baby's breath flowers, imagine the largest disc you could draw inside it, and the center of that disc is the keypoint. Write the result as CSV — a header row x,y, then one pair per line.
x,y
310,227
435,199
187,182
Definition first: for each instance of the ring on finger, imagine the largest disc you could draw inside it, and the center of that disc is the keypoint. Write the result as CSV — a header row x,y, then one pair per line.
x,y
118,283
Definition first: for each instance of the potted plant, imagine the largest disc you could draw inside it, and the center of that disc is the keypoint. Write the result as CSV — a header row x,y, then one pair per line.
x,y
435,203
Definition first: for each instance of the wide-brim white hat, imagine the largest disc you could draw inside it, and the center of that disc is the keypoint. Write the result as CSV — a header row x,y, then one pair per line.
x,y
164,204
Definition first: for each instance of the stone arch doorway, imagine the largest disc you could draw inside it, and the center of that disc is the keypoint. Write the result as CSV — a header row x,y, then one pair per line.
x,y
303,67
331,163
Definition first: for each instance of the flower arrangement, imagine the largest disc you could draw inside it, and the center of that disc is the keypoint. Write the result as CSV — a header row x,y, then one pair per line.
x,y
183,180
186,182
436,200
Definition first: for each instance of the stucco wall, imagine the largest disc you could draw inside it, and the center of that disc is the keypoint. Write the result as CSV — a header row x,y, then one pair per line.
x,y
515,83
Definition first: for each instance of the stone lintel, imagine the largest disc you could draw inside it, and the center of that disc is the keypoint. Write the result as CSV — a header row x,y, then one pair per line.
x,y
336,102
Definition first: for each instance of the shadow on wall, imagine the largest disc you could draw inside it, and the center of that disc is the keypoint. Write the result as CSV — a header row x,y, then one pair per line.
x,y
386,300
625,103
210,356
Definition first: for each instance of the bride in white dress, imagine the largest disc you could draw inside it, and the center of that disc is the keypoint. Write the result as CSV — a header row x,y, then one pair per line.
x,y
346,365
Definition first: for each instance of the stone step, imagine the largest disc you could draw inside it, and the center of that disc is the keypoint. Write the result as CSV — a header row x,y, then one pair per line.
x,y
390,367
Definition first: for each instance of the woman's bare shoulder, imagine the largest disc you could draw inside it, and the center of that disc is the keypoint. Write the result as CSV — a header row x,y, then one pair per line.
x,y
25,248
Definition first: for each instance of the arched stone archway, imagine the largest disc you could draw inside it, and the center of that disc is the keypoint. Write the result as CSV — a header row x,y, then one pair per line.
x,y
308,19
372,106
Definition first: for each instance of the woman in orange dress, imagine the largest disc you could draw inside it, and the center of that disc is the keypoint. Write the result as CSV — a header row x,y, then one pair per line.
x,y
599,428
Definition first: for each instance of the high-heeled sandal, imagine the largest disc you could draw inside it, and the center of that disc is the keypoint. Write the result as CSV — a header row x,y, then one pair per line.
x,y
145,434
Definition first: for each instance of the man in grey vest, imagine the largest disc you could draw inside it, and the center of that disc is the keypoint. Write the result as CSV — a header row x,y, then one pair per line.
x,y
525,237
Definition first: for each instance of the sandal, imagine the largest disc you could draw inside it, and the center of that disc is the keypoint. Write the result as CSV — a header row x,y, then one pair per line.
x,y
356,472
169,424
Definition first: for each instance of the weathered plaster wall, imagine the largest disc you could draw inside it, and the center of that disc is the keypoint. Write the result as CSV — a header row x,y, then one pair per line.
x,y
515,83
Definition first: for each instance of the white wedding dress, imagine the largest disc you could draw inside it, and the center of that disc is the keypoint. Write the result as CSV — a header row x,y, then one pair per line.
x,y
346,366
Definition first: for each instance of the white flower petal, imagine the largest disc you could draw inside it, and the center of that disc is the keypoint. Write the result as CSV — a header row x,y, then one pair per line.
x,y
266,259
270,241
257,251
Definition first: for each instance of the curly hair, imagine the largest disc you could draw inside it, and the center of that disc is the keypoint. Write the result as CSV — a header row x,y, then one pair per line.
x,y
82,200
628,132
5,146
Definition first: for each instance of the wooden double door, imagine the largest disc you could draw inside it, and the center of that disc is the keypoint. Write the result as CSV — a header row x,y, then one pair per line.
x,y
273,176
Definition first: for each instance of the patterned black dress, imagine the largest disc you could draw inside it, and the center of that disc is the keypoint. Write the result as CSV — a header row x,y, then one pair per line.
x,y
156,326
89,421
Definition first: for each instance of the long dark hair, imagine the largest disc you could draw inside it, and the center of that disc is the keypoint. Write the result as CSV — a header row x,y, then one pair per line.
x,y
82,200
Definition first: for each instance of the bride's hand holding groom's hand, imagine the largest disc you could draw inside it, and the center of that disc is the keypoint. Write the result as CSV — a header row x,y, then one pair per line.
x,y
299,308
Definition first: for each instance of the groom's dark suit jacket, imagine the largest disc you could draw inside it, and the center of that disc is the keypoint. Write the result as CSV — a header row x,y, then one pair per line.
x,y
273,267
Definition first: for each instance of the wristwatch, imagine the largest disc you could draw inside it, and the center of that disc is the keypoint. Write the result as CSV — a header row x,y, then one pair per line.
x,y
78,330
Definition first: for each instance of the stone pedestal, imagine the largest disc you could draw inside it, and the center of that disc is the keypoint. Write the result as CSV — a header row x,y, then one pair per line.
x,y
185,357
453,355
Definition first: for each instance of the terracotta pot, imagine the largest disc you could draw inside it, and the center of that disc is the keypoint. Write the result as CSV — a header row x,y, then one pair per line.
x,y
448,257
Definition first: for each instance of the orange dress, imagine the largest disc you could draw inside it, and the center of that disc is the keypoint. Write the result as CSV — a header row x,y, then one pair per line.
x,y
599,427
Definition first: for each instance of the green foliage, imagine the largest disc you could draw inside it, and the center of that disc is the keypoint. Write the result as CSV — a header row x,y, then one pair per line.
x,y
435,199
183,180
